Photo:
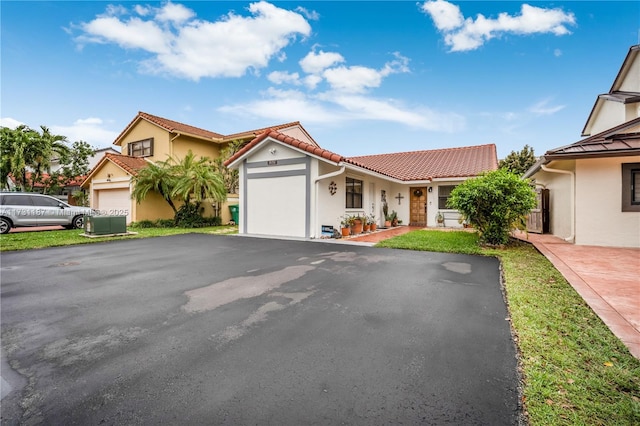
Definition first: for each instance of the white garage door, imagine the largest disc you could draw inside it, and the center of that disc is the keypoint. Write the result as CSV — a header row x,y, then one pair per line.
x,y
276,206
114,202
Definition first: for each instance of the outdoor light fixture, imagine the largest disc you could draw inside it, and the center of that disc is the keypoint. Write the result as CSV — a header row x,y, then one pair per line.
x,y
430,189
272,151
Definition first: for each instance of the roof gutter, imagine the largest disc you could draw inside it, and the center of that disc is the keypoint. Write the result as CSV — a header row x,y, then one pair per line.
x,y
570,238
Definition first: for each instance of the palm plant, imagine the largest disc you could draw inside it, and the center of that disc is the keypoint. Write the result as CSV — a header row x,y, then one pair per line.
x,y
196,180
156,177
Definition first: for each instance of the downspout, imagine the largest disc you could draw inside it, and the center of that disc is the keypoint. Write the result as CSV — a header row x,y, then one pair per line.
x,y
570,238
315,204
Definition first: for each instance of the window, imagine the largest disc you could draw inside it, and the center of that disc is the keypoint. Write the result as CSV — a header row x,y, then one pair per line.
x,y
444,192
143,148
631,187
354,193
16,200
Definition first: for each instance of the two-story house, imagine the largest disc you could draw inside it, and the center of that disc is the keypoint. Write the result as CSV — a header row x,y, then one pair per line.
x,y
594,184
149,138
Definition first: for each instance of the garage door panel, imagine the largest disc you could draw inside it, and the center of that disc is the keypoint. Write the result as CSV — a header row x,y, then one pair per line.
x,y
277,206
114,202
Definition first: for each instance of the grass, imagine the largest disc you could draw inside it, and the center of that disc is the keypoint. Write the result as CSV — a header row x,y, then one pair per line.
x,y
34,240
575,371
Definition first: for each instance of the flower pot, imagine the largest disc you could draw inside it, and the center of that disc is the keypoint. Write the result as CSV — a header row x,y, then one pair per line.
x,y
366,227
357,226
387,223
374,227
345,232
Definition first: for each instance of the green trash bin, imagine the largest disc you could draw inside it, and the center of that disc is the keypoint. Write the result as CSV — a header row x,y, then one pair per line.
x,y
235,212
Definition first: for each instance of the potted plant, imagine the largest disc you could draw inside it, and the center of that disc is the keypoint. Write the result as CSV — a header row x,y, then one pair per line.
x,y
393,217
440,218
357,224
345,225
372,222
385,212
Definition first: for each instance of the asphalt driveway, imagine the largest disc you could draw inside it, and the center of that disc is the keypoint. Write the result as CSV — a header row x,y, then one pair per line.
x,y
201,329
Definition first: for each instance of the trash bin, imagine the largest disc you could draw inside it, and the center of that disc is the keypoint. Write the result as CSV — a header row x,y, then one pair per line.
x,y
235,212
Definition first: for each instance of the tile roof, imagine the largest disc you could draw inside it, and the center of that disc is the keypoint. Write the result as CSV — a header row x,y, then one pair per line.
x,y
432,164
178,127
130,164
405,166
304,146
621,140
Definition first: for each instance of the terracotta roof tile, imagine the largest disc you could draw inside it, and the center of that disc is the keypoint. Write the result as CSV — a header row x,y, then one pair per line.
x,y
432,164
177,127
405,166
130,164
257,132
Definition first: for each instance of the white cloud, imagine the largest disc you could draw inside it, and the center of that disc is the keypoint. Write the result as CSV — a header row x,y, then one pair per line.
x,y
543,108
357,79
192,48
557,53
9,122
468,34
281,77
315,63
445,15
335,107
312,15
91,130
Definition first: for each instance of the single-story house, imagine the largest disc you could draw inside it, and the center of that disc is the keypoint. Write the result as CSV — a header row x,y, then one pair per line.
x,y
291,188
594,184
150,138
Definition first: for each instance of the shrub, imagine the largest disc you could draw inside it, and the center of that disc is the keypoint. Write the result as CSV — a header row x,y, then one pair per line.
x,y
143,224
165,223
494,203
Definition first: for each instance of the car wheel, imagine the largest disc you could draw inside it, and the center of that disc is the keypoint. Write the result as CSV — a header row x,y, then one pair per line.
x,y
78,222
5,225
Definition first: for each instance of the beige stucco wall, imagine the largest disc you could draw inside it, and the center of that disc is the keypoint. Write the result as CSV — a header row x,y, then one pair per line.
x,y
145,130
631,82
182,145
599,219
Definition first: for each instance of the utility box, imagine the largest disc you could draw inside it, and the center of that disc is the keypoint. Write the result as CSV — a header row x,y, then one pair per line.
x,y
105,225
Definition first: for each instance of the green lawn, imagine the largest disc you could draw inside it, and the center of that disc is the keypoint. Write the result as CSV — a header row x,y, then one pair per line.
x,y
41,239
575,371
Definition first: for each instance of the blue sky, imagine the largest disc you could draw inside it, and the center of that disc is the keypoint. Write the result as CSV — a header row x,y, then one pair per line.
x,y
363,77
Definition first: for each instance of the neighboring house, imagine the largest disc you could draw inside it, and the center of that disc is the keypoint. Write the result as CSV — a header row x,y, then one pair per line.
x,y
149,138
291,188
594,184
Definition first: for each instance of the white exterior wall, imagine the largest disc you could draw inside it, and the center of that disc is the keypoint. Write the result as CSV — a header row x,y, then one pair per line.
x,y
432,204
560,195
599,219
274,203
609,115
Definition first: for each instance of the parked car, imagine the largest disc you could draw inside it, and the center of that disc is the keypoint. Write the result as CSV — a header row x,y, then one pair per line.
x,y
18,209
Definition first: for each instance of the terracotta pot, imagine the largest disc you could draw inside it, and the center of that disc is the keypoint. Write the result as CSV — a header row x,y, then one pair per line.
x,y
387,223
345,232
357,227
366,227
374,226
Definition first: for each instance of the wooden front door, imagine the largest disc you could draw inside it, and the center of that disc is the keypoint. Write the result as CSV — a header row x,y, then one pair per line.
x,y
418,207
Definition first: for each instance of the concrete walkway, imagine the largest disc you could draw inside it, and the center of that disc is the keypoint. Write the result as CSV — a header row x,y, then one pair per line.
x,y
607,278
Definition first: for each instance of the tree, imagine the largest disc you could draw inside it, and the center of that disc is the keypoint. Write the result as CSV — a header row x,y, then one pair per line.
x,y
197,180
231,177
157,177
494,203
191,180
44,147
518,162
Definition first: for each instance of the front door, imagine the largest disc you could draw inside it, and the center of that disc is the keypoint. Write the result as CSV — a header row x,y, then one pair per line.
x,y
418,207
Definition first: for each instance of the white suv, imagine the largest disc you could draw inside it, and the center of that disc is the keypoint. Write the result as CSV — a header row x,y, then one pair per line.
x,y
19,209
